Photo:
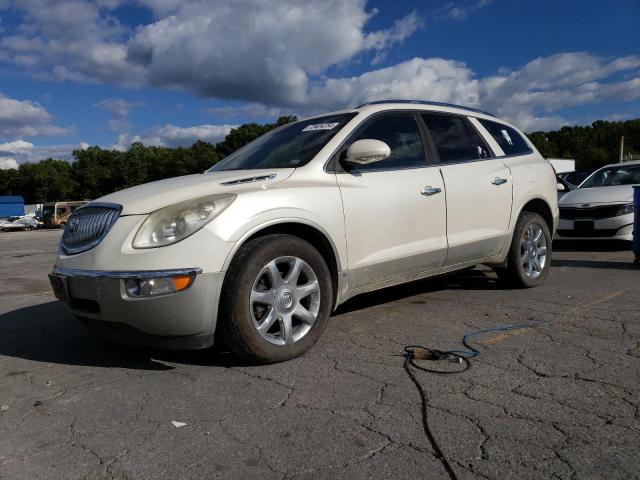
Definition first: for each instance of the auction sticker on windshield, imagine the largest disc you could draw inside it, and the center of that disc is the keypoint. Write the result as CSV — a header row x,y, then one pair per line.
x,y
320,126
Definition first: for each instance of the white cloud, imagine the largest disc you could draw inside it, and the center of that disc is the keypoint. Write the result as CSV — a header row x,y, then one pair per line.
x,y
527,96
118,106
24,118
20,151
74,40
549,84
283,57
433,78
120,109
461,10
248,111
8,163
173,136
382,40
268,56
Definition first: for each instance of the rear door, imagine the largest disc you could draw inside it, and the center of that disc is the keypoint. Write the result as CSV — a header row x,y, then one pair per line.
x,y
395,211
478,186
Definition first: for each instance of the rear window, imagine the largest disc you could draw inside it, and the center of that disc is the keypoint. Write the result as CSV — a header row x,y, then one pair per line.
x,y
509,140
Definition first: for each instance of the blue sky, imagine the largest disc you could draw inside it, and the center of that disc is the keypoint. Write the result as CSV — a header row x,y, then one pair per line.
x,y
167,72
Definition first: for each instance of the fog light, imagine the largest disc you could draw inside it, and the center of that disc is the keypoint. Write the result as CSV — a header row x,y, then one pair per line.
x,y
151,287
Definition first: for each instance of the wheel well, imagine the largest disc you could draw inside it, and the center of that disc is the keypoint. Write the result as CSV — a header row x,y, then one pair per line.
x,y
541,208
312,235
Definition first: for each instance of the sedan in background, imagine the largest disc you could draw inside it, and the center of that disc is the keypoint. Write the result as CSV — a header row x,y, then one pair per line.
x,y
602,206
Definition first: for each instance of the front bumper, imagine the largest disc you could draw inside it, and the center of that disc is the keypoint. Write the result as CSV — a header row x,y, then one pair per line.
x,y
612,228
181,320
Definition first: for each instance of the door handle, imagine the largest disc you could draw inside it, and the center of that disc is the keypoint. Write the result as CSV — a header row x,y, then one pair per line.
x,y
499,181
429,190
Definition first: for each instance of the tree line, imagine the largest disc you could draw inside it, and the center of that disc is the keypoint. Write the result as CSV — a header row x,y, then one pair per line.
x,y
592,146
96,171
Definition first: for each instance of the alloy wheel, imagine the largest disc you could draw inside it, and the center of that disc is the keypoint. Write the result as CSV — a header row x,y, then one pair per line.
x,y
533,250
285,300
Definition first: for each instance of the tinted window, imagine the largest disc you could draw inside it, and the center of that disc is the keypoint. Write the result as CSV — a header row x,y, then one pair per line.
x,y
509,140
290,146
454,140
400,132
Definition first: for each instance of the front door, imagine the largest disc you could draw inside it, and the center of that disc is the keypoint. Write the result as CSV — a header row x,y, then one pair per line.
x,y
395,210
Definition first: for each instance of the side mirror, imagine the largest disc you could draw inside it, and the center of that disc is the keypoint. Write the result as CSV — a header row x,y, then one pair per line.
x,y
560,187
363,152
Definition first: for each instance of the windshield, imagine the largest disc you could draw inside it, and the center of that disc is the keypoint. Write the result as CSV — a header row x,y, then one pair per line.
x,y
618,175
290,146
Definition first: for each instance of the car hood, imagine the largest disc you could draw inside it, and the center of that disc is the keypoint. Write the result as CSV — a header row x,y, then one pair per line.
x,y
598,195
148,197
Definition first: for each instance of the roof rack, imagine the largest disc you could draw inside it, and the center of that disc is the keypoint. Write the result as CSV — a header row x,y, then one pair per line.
x,y
426,102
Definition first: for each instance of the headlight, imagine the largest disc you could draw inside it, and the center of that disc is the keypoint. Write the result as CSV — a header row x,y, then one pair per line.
x,y
176,222
625,209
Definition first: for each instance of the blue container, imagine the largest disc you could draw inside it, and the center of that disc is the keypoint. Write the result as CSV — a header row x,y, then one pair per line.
x,y
636,221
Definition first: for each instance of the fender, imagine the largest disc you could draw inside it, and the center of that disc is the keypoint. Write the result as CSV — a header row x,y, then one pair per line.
x,y
240,237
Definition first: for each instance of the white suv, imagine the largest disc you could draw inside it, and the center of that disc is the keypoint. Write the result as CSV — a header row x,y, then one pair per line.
x,y
263,246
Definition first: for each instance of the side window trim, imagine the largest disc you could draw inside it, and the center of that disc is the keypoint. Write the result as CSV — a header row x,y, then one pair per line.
x,y
334,166
470,128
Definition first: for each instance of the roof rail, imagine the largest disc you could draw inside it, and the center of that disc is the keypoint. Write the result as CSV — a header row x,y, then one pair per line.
x,y
426,102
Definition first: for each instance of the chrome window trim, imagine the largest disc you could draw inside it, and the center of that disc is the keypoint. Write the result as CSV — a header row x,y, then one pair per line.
x,y
124,274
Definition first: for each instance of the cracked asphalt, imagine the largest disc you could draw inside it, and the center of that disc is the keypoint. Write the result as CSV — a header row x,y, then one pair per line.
x,y
557,401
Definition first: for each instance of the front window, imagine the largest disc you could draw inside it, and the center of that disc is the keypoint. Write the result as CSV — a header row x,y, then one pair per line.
x,y
401,133
618,175
290,146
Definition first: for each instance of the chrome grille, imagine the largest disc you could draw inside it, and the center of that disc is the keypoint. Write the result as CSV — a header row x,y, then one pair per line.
x,y
88,225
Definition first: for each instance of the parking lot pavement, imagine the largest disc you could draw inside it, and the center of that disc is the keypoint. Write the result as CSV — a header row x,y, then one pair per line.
x,y
557,401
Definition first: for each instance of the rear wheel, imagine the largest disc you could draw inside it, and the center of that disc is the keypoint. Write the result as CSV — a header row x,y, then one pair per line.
x,y
276,299
529,258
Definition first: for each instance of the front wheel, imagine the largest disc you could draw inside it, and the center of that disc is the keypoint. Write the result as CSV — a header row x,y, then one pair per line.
x,y
276,299
529,258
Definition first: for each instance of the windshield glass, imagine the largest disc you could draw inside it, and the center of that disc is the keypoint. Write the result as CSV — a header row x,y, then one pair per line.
x,y
290,146
618,175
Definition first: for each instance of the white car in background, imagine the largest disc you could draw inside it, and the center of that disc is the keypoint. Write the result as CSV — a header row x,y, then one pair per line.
x,y
602,206
21,223
263,246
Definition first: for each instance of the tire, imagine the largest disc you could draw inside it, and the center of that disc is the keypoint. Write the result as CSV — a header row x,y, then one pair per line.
x,y
528,262
255,295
